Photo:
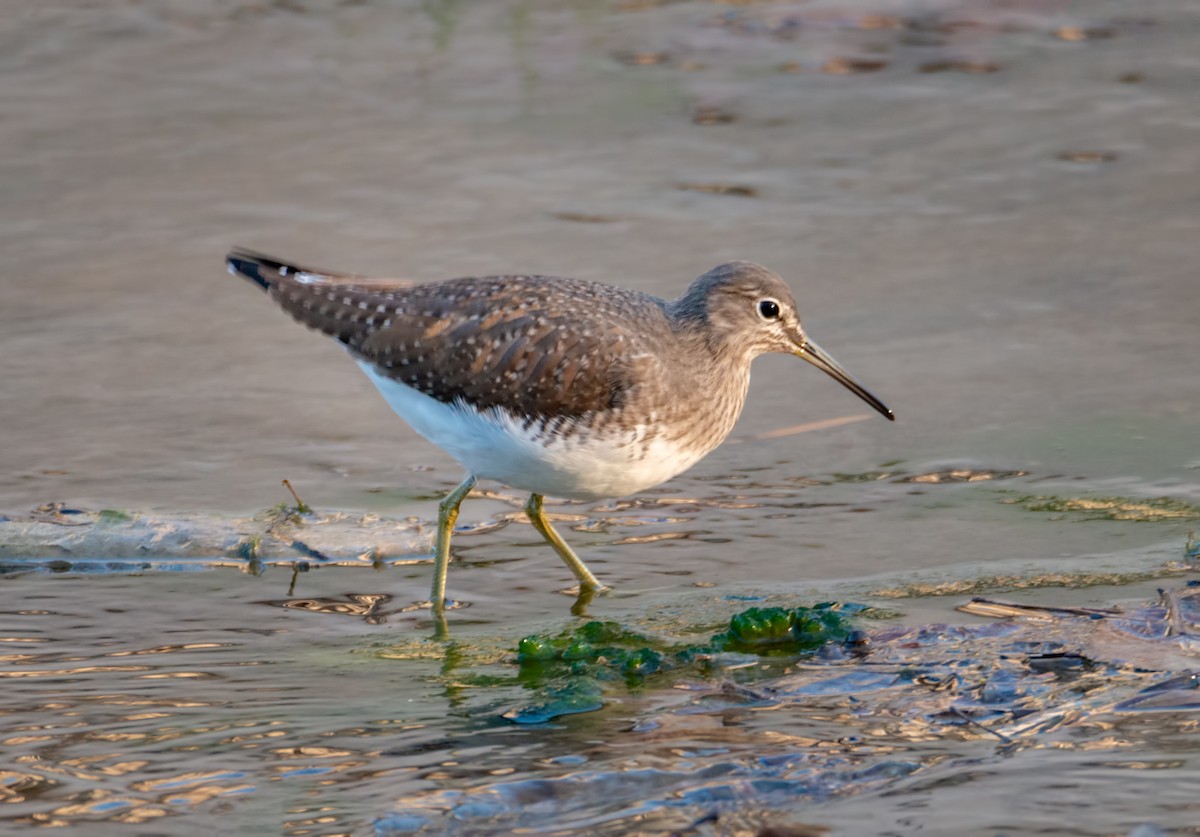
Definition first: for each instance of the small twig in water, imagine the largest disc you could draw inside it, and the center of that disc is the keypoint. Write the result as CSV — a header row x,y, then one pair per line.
x,y
1175,622
980,606
300,506
306,550
954,710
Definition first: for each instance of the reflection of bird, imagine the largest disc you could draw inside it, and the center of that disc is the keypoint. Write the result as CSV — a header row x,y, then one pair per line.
x,y
555,386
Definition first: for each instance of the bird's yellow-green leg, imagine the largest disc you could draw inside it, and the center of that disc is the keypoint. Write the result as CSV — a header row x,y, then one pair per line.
x,y
537,517
447,514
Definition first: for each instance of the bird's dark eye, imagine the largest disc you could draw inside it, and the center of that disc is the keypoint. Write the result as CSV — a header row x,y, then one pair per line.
x,y
768,309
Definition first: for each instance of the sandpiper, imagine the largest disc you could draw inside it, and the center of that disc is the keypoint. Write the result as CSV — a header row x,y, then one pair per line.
x,y
554,386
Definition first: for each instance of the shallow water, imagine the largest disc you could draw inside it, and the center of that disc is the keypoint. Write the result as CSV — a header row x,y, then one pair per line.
x,y
168,699
987,214
312,697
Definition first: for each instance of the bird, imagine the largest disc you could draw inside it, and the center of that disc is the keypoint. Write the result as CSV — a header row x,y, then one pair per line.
x,y
554,386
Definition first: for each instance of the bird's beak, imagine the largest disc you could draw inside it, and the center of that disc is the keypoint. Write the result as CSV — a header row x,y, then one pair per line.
x,y
818,357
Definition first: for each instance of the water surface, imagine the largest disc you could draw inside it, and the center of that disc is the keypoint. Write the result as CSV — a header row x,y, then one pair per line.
x,y
987,214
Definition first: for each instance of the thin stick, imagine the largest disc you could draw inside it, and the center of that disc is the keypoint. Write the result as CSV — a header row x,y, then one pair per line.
x,y
1175,623
300,506
954,710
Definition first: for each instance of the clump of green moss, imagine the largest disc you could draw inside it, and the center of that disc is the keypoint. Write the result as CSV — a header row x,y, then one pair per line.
x,y
777,630
591,648
567,669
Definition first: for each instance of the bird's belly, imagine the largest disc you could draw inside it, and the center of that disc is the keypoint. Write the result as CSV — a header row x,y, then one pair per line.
x,y
494,445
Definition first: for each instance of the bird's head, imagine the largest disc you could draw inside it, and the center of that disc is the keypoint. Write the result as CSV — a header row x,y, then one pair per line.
x,y
747,310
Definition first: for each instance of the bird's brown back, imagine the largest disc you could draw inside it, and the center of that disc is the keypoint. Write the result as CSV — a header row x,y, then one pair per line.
x,y
543,347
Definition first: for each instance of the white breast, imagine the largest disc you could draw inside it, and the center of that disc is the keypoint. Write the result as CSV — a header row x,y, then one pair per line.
x,y
493,445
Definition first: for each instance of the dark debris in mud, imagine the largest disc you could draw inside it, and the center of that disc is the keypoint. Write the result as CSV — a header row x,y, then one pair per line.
x,y
733,189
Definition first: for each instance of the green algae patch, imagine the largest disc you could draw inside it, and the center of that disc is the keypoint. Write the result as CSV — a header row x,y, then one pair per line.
x,y
1067,580
113,516
778,630
597,649
571,672
1142,510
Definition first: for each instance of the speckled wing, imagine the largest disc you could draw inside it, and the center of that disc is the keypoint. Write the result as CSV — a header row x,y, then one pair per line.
x,y
543,347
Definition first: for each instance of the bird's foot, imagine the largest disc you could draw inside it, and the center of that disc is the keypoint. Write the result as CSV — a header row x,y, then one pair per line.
x,y
579,590
583,597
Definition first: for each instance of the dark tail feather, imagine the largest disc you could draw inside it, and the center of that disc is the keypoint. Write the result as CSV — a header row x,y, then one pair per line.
x,y
260,269
307,295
